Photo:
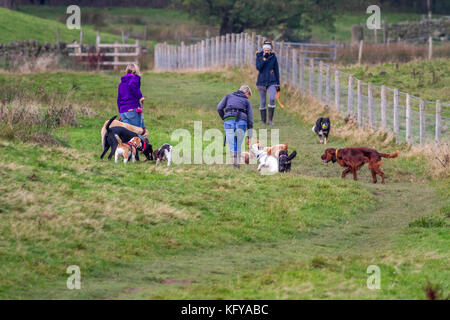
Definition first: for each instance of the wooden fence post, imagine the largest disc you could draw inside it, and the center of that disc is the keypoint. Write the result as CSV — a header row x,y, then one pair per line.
x,y
350,96
294,68
281,60
311,76
396,124
228,48
422,122
81,37
337,90
287,64
116,51
223,51
203,55
217,56
302,72
320,86
408,118
58,38
359,102
252,48
383,107
430,47
370,104
361,44
437,135
328,85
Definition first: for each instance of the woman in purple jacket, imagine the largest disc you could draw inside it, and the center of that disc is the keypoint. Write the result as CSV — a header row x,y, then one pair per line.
x,y
129,98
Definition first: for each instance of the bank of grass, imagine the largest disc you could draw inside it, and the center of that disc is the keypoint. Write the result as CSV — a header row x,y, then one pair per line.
x,y
162,24
201,231
20,26
345,21
429,80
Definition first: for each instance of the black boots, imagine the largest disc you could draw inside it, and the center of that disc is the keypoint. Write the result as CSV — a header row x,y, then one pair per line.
x,y
263,115
271,110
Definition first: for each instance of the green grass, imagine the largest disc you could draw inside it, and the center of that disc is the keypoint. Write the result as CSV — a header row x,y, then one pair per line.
x,y
20,26
198,231
345,21
162,24
431,81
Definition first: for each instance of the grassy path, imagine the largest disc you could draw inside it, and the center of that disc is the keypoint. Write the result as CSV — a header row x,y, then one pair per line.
x,y
229,234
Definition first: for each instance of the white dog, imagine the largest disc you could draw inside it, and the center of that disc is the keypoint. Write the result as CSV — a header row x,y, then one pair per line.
x,y
270,163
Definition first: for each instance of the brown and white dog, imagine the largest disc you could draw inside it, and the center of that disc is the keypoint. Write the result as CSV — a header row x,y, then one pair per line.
x,y
274,150
116,123
127,149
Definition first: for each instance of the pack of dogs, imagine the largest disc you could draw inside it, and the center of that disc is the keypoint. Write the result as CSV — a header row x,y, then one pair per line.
x,y
127,141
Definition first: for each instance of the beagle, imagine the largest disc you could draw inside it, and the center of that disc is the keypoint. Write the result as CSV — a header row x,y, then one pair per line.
x,y
127,149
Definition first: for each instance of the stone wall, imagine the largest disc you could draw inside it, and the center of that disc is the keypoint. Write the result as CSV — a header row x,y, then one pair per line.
x,y
419,31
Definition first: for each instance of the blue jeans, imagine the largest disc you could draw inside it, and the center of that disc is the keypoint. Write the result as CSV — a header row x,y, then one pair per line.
x,y
133,118
234,133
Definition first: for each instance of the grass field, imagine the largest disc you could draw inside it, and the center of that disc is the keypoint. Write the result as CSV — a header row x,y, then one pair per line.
x,y
162,24
167,24
20,26
206,231
345,21
429,80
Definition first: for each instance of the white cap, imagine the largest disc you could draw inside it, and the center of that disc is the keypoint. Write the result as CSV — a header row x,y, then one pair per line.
x,y
267,46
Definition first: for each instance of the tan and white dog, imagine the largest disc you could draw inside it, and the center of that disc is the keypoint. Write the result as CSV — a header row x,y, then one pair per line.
x,y
127,149
116,123
274,150
266,161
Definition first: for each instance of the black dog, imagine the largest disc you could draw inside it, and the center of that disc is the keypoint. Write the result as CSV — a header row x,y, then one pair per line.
x,y
322,129
284,160
125,135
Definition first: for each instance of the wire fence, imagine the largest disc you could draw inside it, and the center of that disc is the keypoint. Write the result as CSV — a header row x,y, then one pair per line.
x,y
306,68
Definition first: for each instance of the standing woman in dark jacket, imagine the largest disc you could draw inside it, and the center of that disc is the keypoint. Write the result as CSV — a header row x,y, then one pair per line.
x,y
268,79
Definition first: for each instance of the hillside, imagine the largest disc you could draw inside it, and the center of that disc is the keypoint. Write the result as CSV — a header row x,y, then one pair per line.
x,y
162,24
20,26
204,231
173,25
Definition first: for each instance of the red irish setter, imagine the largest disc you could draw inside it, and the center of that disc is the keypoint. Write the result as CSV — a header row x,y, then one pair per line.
x,y
355,158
